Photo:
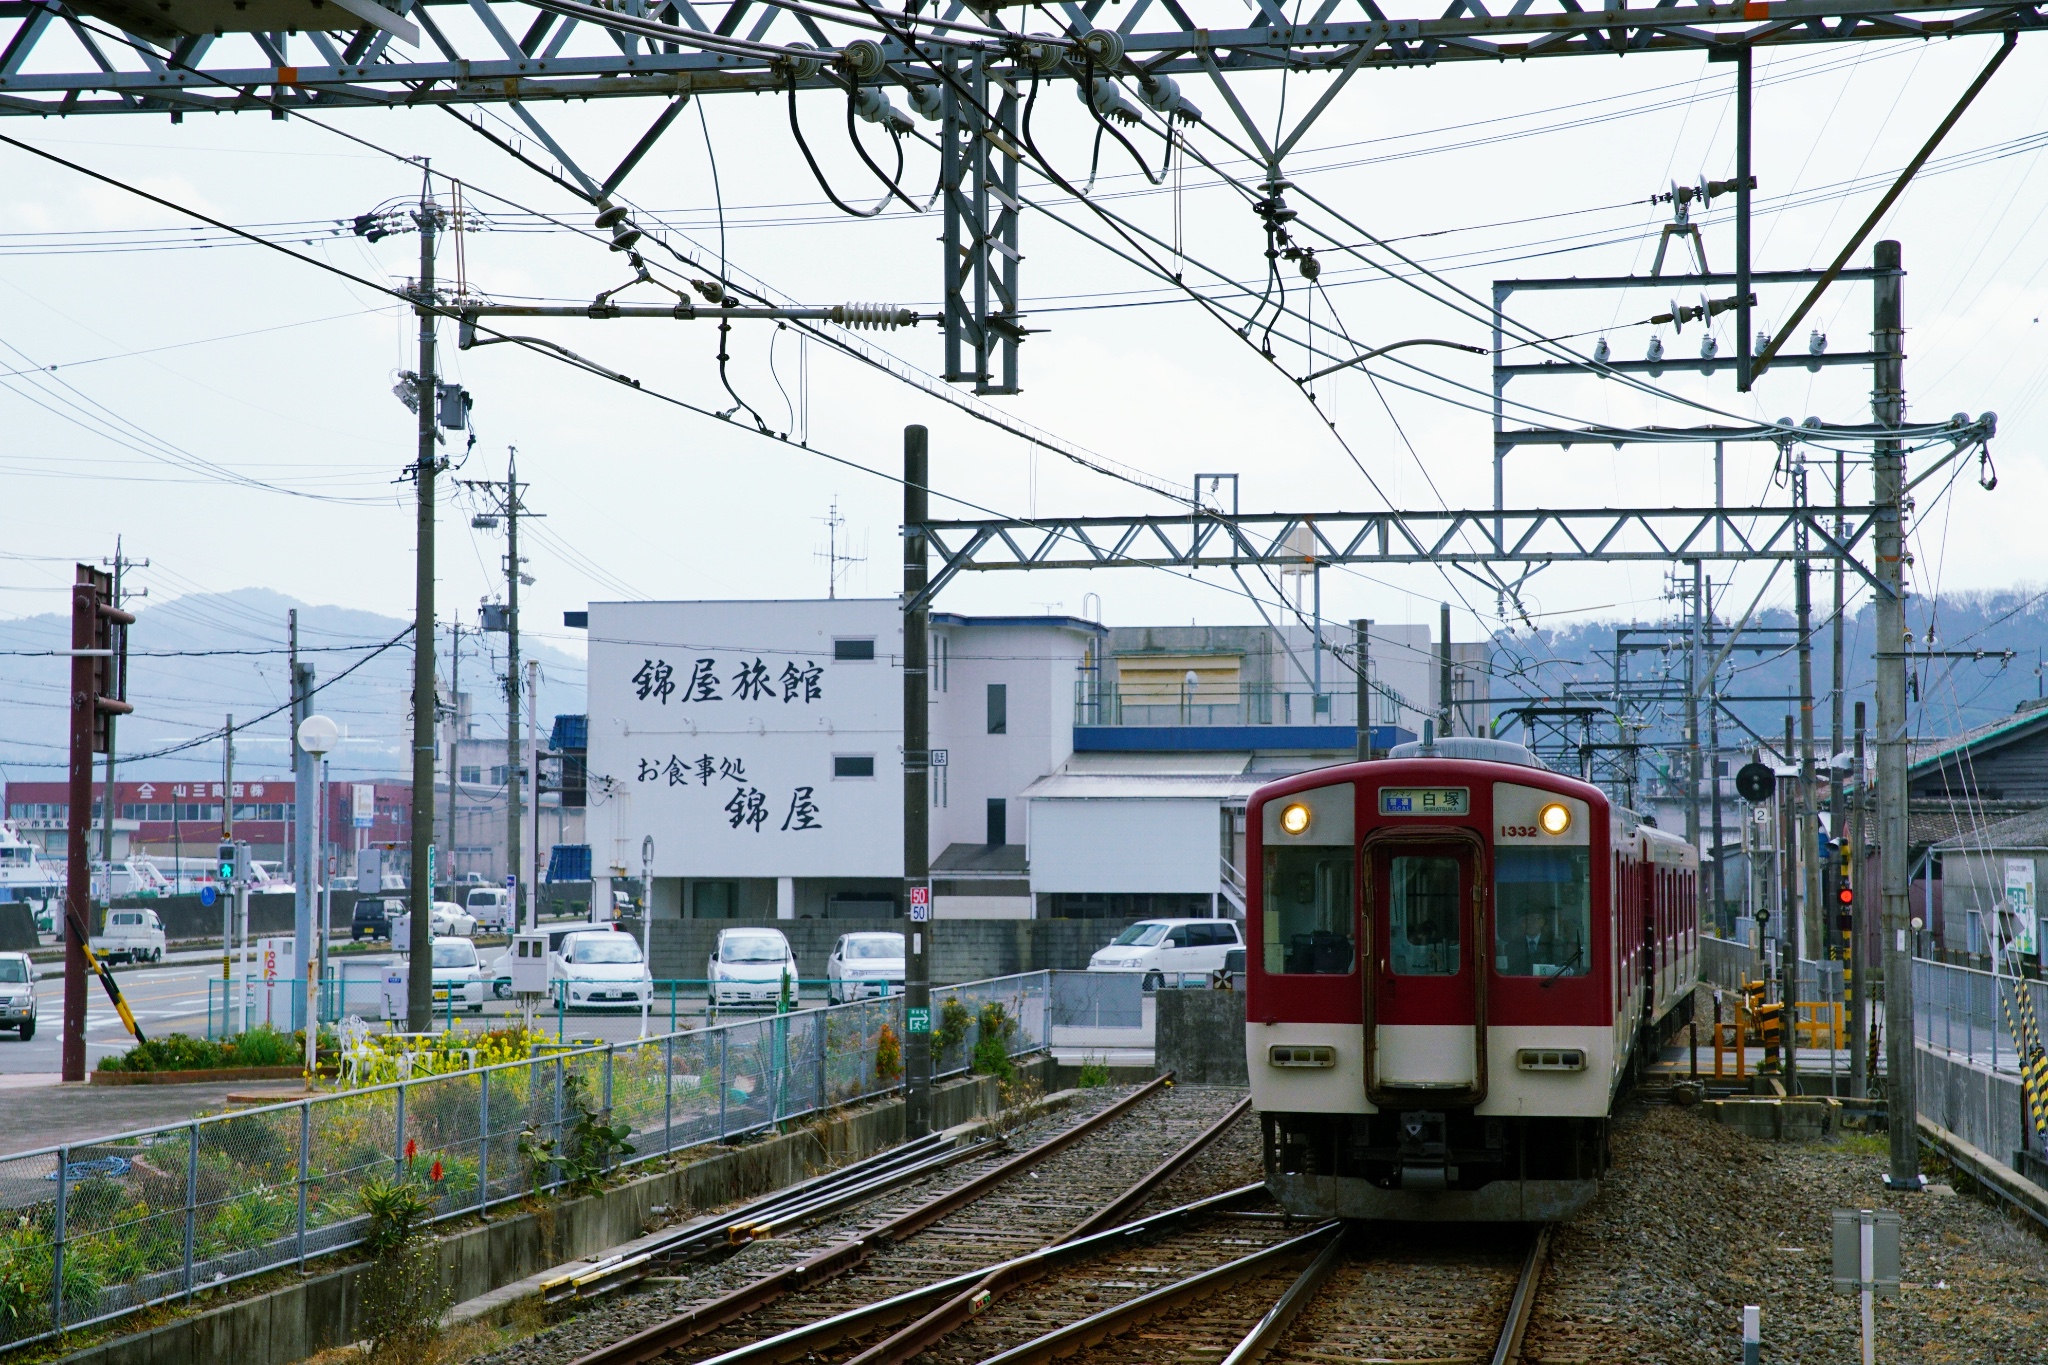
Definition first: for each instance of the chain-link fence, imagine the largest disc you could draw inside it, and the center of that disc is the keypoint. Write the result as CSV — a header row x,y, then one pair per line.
x,y
93,1230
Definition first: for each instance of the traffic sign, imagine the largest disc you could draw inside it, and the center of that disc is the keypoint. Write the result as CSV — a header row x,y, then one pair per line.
x,y
920,904
1756,782
207,895
941,757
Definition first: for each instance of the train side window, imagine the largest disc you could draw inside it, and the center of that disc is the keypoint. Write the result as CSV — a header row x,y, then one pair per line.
x,y
1422,915
1543,911
1308,911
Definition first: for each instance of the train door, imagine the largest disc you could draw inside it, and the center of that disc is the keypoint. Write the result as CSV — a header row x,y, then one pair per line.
x,y
1424,1021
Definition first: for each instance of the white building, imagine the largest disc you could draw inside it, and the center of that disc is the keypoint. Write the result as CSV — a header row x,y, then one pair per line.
x,y
1075,770
760,746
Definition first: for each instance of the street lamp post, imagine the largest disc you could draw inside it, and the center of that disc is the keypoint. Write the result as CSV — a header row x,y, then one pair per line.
x,y
317,735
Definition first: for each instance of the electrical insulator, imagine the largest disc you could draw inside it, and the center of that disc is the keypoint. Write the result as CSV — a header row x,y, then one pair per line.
x,y
874,106
1163,94
879,317
1107,100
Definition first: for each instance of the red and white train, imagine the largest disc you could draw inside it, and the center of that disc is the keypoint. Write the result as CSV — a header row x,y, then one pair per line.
x,y
1456,959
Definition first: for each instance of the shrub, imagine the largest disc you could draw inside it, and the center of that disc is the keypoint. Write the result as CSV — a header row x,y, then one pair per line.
x,y
251,1220
888,1056
1094,1074
403,1298
954,1018
263,1045
992,1043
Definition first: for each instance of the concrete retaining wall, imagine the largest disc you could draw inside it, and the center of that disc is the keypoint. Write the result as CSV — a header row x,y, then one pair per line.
x,y
1199,1036
17,928
1970,1100
321,1312
962,950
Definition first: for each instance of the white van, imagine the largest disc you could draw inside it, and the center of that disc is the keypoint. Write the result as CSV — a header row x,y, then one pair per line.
x,y
1163,947
491,906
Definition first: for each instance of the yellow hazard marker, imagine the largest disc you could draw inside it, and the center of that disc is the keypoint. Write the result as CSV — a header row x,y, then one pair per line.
x,y
106,976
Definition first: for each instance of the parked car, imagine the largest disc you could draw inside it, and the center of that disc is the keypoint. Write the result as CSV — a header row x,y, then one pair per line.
x,y
1157,947
601,969
864,964
131,936
749,967
491,905
500,969
18,994
445,919
457,973
373,916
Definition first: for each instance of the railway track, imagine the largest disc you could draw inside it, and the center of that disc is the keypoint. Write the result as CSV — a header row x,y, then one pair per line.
x,y
1329,1295
916,1231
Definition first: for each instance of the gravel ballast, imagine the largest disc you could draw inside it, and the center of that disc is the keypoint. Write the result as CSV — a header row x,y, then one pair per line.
x,y
1697,1220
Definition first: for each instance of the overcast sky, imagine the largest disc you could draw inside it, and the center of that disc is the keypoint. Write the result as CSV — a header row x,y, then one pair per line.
x,y
168,352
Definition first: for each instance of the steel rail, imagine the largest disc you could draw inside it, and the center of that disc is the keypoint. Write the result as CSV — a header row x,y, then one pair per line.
x,y
800,1342
1268,1331
1509,1349
971,1301
1136,1312
765,1218
685,1327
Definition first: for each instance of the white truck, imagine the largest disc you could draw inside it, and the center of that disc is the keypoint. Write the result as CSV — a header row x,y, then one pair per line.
x,y
131,936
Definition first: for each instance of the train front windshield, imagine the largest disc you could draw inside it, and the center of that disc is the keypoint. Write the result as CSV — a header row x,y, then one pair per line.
x,y
1308,911
1542,911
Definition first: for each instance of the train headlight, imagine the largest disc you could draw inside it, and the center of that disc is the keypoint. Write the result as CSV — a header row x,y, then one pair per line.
x,y
1555,818
1294,819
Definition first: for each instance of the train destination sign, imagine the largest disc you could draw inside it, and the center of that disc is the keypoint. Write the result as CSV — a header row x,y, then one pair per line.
x,y
1425,800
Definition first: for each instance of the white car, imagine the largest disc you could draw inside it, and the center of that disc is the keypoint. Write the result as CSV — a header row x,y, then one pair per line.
x,y
601,969
1161,947
18,994
751,967
131,936
491,906
458,973
445,919
864,964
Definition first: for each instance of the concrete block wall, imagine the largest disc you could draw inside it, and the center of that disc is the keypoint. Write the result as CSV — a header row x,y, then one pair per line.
x,y
962,950
322,1312
1199,1036
1979,1106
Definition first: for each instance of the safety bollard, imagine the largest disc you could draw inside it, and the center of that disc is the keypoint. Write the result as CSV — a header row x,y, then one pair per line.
x,y
1752,1335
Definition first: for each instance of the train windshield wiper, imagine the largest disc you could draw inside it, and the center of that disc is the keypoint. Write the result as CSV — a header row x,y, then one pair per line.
x,y
1565,970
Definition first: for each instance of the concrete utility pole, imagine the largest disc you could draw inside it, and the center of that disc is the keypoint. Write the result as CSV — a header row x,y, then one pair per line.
x,y
1789,825
1445,711
1714,758
917,882
419,989
1693,682
507,502
1888,470
1813,915
1836,701
305,902
1361,634
454,733
512,754
1859,973
532,761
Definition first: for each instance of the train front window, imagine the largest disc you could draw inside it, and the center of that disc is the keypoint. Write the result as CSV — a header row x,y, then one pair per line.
x,y
1542,912
1308,911
1422,916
